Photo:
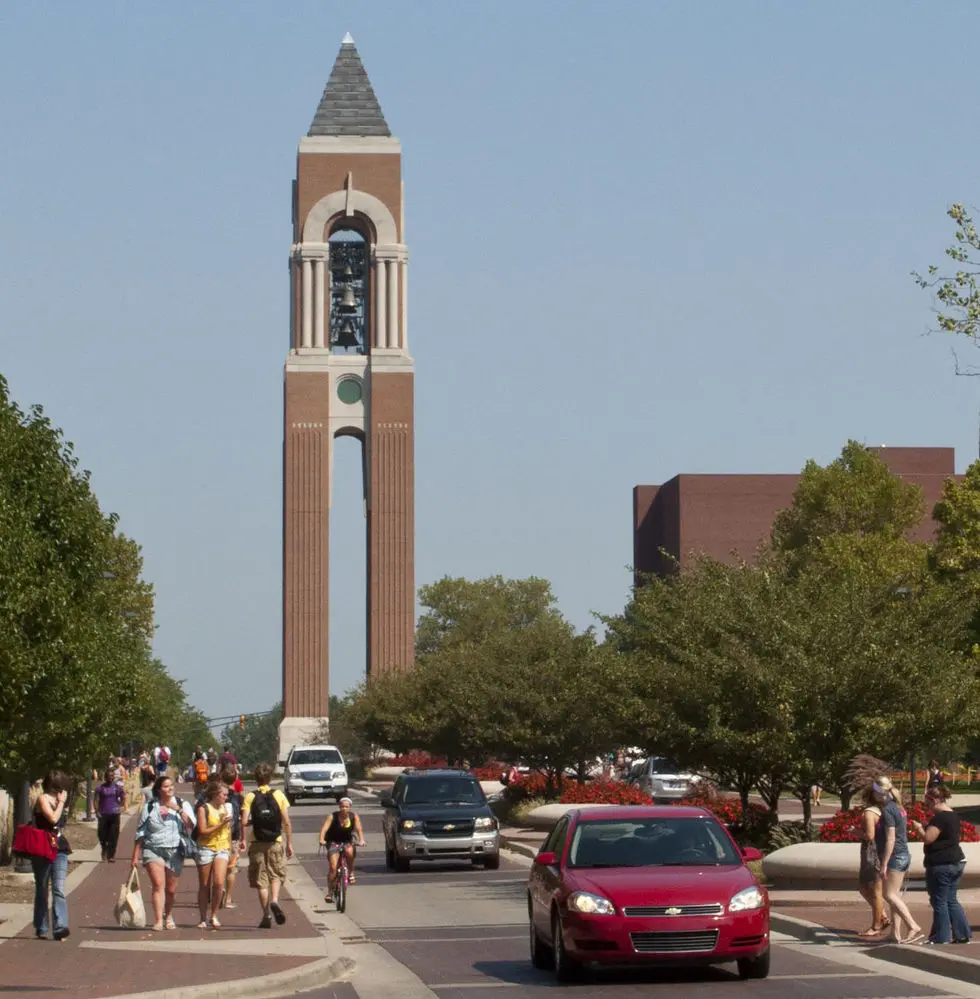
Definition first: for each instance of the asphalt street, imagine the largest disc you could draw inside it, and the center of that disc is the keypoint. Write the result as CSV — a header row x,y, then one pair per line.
x,y
457,932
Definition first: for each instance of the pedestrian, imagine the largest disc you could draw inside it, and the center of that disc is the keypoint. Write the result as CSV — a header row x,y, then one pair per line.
x,y
161,822
934,778
51,810
944,863
161,759
148,776
202,773
869,871
226,757
892,843
235,798
266,813
815,791
110,800
214,822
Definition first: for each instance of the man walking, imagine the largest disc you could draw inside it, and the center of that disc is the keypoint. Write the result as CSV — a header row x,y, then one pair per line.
x,y
265,814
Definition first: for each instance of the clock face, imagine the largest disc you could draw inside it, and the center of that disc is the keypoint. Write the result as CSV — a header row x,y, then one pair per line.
x,y
349,391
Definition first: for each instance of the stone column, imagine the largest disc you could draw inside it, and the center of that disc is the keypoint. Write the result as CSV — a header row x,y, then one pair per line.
x,y
403,327
318,302
380,338
306,339
394,305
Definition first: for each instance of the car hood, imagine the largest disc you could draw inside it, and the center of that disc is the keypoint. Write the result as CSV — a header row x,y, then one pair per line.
x,y
315,768
661,885
443,813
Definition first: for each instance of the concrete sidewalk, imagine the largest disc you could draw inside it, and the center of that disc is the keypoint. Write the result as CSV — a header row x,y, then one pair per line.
x,y
186,963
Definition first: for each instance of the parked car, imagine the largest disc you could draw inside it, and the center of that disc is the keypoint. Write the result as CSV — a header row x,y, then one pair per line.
x,y
315,772
662,779
645,885
439,815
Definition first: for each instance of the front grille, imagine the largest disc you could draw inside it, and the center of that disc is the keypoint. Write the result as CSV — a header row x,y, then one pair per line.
x,y
464,827
698,942
713,909
311,775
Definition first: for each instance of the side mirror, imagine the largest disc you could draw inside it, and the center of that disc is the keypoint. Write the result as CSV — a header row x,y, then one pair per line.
x,y
546,859
750,853
282,764
387,801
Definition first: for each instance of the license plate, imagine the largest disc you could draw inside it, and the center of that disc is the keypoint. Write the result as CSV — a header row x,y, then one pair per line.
x,y
318,790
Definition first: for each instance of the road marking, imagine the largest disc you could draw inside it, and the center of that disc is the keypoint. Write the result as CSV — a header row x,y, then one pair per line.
x,y
415,940
479,985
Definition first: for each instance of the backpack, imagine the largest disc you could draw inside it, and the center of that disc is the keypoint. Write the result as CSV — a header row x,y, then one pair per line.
x,y
266,817
164,755
201,771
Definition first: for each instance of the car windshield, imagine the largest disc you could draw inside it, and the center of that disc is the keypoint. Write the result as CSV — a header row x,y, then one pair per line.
x,y
302,757
651,842
660,765
443,791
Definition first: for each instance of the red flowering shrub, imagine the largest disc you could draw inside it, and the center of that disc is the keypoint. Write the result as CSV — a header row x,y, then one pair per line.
x,y
418,758
603,792
535,785
845,827
491,770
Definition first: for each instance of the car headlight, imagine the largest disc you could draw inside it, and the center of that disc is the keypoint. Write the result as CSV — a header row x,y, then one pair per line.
x,y
407,824
748,898
485,823
596,905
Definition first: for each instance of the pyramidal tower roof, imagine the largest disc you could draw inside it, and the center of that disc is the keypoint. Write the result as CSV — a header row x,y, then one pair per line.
x,y
348,105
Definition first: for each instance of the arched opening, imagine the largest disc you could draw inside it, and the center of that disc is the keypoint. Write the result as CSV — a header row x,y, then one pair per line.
x,y
348,564
350,280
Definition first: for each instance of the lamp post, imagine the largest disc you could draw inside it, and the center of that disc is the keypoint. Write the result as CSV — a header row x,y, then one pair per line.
x,y
22,817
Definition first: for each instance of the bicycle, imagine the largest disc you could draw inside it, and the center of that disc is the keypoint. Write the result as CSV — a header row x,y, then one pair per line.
x,y
341,881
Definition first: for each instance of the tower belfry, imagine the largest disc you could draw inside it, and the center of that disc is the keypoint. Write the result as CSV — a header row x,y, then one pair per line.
x,y
348,374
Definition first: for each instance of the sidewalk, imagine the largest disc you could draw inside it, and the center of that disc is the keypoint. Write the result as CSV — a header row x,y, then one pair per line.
x,y
180,964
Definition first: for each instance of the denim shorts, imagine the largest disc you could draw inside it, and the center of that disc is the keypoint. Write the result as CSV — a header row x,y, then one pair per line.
x,y
900,862
171,858
206,856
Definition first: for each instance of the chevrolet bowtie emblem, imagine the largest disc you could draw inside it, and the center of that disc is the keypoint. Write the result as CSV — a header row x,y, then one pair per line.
x,y
673,911
449,825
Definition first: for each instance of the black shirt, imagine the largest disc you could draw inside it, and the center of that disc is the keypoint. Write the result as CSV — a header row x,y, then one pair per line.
x,y
946,848
337,833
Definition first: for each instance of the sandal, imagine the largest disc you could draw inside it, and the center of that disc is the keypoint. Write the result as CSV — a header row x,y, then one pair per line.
x,y
915,938
872,931
215,925
351,880
157,927
170,924
202,925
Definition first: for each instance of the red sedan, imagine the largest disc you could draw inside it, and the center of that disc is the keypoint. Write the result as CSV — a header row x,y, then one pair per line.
x,y
641,885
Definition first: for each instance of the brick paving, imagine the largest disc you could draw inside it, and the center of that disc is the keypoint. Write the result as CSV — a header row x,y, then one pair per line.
x,y
80,968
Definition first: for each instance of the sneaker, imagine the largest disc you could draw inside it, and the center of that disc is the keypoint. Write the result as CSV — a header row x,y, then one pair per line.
x,y
266,923
277,912
61,934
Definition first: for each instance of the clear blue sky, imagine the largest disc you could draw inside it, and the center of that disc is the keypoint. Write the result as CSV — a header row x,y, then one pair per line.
x,y
646,238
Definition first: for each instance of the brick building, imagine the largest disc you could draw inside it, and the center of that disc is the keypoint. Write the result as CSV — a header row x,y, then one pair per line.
x,y
723,515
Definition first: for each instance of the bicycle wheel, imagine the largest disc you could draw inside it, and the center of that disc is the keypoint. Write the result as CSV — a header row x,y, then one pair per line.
x,y
342,888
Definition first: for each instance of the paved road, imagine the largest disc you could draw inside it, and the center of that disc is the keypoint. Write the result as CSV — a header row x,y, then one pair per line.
x,y
456,932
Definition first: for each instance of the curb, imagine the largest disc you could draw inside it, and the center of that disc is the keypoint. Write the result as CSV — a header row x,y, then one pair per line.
x,y
313,975
934,960
518,846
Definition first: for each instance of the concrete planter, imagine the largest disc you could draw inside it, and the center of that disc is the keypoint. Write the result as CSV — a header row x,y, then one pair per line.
x,y
835,865
545,816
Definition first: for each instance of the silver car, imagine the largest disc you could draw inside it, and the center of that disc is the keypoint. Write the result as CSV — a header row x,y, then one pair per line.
x,y
662,779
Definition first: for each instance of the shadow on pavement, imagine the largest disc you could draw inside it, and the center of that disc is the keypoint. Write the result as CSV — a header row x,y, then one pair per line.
x,y
521,973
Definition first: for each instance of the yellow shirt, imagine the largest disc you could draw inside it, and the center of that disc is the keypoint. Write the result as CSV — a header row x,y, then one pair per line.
x,y
280,798
220,839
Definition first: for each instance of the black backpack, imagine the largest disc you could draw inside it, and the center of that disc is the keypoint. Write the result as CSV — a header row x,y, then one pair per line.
x,y
266,817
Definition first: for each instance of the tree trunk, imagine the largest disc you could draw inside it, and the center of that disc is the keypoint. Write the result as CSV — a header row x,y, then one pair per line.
x,y
807,809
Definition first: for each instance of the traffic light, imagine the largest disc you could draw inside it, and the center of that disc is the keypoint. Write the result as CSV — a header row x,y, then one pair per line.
x,y
241,721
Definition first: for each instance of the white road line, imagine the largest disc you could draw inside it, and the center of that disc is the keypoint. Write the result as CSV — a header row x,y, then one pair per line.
x,y
426,940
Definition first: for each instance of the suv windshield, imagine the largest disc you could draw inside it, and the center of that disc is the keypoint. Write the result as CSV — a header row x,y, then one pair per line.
x,y
661,765
654,842
443,791
301,757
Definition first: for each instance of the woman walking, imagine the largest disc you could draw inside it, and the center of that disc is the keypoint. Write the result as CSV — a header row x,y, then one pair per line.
x,y
158,846
214,822
892,842
110,799
869,872
233,782
50,814
944,862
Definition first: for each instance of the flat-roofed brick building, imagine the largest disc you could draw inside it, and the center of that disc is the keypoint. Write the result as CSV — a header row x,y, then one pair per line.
x,y
728,515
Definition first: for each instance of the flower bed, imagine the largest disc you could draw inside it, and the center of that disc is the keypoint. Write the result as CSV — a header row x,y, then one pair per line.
x,y
491,770
417,758
749,829
603,792
845,827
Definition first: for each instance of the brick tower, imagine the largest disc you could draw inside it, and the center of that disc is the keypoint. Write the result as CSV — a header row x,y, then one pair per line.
x,y
348,373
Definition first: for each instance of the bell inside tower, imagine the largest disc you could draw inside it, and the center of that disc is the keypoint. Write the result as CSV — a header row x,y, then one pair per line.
x,y
349,275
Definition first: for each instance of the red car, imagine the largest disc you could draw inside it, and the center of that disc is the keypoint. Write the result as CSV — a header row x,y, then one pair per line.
x,y
645,885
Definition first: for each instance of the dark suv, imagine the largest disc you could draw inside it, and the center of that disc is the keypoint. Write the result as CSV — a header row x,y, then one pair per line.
x,y
439,815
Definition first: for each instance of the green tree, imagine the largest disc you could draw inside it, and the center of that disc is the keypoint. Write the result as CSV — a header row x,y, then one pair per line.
x,y
955,289
956,551
257,742
856,494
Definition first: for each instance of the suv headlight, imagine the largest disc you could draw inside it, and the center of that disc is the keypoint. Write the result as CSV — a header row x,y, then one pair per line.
x,y
748,898
408,824
485,823
596,905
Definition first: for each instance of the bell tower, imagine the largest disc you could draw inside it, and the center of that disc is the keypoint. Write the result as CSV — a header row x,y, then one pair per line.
x,y
348,373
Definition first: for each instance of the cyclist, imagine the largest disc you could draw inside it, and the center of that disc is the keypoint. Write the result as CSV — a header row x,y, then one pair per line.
x,y
337,833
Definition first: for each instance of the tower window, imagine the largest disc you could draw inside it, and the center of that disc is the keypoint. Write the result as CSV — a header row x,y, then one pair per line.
x,y
348,292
